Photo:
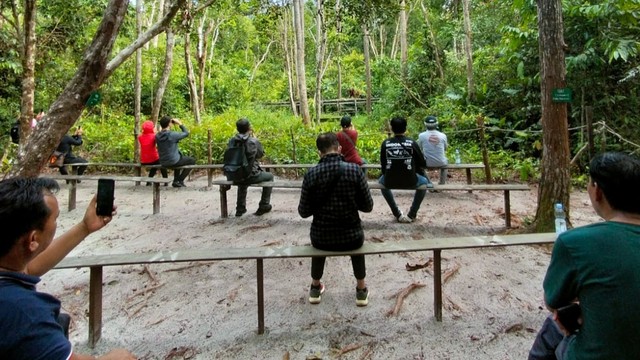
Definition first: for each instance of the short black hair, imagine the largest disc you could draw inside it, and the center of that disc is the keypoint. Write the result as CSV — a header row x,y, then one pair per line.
x,y
398,125
243,125
165,121
617,175
326,142
22,208
345,122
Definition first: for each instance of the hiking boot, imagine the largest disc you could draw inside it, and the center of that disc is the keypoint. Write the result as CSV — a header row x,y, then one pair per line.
x,y
176,184
240,212
362,297
315,293
263,209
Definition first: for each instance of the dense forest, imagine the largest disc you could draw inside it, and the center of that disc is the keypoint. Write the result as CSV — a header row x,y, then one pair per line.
x,y
474,64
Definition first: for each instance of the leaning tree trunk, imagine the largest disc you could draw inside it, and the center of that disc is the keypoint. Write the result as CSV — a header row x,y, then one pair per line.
x,y
28,69
434,44
91,73
67,108
286,49
187,22
555,176
403,38
339,53
298,15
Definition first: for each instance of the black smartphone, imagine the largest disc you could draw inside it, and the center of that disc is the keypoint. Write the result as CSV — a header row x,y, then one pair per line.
x,y
568,316
106,190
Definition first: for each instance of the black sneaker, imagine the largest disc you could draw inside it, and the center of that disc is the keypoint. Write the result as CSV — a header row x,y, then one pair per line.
x,y
315,293
240,212
263,209
176,184
362,297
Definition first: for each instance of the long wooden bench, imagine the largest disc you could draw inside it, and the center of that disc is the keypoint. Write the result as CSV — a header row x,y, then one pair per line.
x,y
466,167
73,184
225,185
98,262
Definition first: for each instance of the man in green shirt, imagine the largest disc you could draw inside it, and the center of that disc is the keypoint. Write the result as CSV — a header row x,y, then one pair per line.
x,y
598,266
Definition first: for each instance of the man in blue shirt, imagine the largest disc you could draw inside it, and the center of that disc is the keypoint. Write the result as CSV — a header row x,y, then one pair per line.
x,y
29,329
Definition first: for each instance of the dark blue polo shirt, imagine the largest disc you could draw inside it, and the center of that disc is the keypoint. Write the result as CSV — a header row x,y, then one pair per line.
x,y
28,321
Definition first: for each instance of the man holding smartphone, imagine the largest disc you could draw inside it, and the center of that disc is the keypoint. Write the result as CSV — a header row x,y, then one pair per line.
x,y
29,328
167,143
598,266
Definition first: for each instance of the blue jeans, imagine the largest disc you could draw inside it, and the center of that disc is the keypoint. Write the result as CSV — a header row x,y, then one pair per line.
x,y
550,343
417,197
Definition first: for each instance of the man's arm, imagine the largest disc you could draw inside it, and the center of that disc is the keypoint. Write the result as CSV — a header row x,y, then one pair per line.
x,y
116,354
66,242
418,156
305,207
383,157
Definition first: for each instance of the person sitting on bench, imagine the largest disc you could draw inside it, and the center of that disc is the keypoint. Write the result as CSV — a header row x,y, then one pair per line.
x,y
167,143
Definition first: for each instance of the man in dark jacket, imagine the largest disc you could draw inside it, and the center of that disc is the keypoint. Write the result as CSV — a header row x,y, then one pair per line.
x,y
170,156
333,192
65,147
402,164
254,151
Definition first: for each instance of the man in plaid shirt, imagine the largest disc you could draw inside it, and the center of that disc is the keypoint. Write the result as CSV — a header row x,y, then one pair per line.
x,y
333,192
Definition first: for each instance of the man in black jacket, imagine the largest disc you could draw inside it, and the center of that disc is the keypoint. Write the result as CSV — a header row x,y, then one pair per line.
x,y
65,147
333,192
402,164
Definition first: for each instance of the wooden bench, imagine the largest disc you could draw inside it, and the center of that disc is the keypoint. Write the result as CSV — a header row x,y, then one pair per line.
x,y
466,167
138,168
97,262
73,183
506,188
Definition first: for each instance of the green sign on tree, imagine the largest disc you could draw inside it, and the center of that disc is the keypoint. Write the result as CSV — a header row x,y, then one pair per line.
x,y
561,95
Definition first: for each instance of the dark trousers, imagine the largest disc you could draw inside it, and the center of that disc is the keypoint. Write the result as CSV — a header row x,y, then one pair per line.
x,y
357,262
262,176
76,169
180,174
152,171
550,343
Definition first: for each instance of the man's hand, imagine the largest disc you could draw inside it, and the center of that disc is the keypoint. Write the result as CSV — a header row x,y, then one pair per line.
x,y
91,221
176,121
118,354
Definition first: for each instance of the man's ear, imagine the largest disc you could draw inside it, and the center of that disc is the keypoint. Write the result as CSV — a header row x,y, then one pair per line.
x,y
599,196
32,242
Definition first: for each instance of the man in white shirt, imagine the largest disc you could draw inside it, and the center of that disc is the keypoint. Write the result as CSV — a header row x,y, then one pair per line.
x,y
433,144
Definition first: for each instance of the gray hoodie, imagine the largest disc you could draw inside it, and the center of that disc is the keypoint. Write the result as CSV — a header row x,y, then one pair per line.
x,y
253,150
167,143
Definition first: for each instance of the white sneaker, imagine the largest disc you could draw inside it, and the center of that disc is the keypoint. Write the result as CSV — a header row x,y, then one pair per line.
x,y
404,219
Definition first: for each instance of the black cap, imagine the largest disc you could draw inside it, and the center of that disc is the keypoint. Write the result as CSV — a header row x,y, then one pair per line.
x,y
431,122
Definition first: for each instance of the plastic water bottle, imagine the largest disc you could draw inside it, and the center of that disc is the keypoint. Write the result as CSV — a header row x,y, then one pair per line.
x,y
458,160
561,220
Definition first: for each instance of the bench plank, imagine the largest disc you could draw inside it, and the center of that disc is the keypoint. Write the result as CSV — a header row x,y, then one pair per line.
x,y
96,263
73,182
225,185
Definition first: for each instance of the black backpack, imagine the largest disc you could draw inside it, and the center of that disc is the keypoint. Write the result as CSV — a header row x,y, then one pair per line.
x,y
15,133
236,165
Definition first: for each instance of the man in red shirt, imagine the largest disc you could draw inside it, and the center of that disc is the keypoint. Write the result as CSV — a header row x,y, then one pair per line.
x,y
347,138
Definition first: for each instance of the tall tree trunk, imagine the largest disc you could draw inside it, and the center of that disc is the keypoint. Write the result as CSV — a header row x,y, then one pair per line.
x,y
166,73
28,69
187,24
403,38
367,67
434,44
468,49
321,36
288,63
137,86
339,53
201,56
555,176
298,15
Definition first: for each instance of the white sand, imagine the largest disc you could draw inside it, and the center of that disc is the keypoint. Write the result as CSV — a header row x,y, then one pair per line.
x,y
493,303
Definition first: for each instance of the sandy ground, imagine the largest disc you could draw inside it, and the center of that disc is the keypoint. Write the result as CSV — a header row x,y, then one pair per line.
x,y
493,301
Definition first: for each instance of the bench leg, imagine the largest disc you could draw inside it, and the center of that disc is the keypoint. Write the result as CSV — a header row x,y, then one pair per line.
x,y
138,172
209,177
507,209
95,305
260,284
437,284
223,200
73,184
156,198
469,178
